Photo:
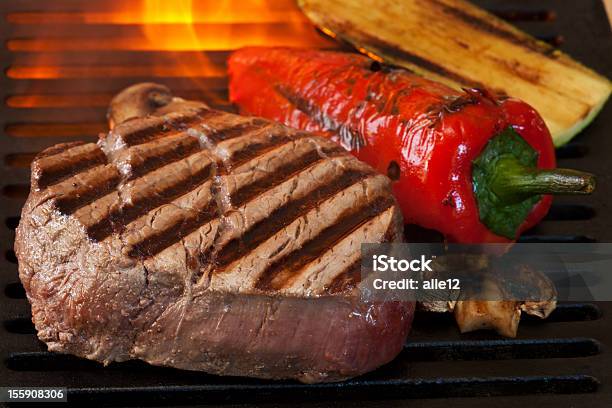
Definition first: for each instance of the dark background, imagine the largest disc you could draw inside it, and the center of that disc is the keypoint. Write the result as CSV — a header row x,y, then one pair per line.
x,y
565,361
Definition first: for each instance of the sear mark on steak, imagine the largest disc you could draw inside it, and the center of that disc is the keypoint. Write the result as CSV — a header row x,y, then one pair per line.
x,y
203,240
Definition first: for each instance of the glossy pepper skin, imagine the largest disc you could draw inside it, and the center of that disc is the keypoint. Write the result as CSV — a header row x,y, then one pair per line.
x,y
423,134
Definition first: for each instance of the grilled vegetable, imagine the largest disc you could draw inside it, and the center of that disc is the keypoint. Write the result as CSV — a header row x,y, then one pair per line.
x,y
468,164
461,45
499,298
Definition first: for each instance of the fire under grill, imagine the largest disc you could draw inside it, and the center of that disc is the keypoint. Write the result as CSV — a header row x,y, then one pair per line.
x,y
62,62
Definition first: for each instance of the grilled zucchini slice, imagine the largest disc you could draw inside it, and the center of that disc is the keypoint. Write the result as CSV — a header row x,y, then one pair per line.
x,y
461,45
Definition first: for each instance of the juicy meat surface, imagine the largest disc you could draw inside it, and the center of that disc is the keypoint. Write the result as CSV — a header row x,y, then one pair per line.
x,y
204,240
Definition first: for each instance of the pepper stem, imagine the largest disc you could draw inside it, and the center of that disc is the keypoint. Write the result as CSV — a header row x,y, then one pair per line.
x,y
508,183
513,182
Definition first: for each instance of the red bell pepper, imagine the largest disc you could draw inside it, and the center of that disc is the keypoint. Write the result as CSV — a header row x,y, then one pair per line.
x,y
475,166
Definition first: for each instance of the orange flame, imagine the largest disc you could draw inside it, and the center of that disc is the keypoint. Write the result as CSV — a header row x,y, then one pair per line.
x,y
205,11
184,31
178,25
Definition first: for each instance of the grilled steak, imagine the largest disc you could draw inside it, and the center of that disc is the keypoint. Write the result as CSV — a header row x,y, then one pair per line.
x,y
203,240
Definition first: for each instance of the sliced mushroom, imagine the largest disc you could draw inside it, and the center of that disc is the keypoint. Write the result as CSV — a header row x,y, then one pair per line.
x,y
147,99
492,304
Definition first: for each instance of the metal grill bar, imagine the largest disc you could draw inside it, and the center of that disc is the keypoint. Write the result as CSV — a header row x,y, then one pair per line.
x,y
352,390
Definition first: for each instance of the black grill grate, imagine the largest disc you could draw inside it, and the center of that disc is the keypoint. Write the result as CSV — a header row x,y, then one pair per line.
x,y
558,362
